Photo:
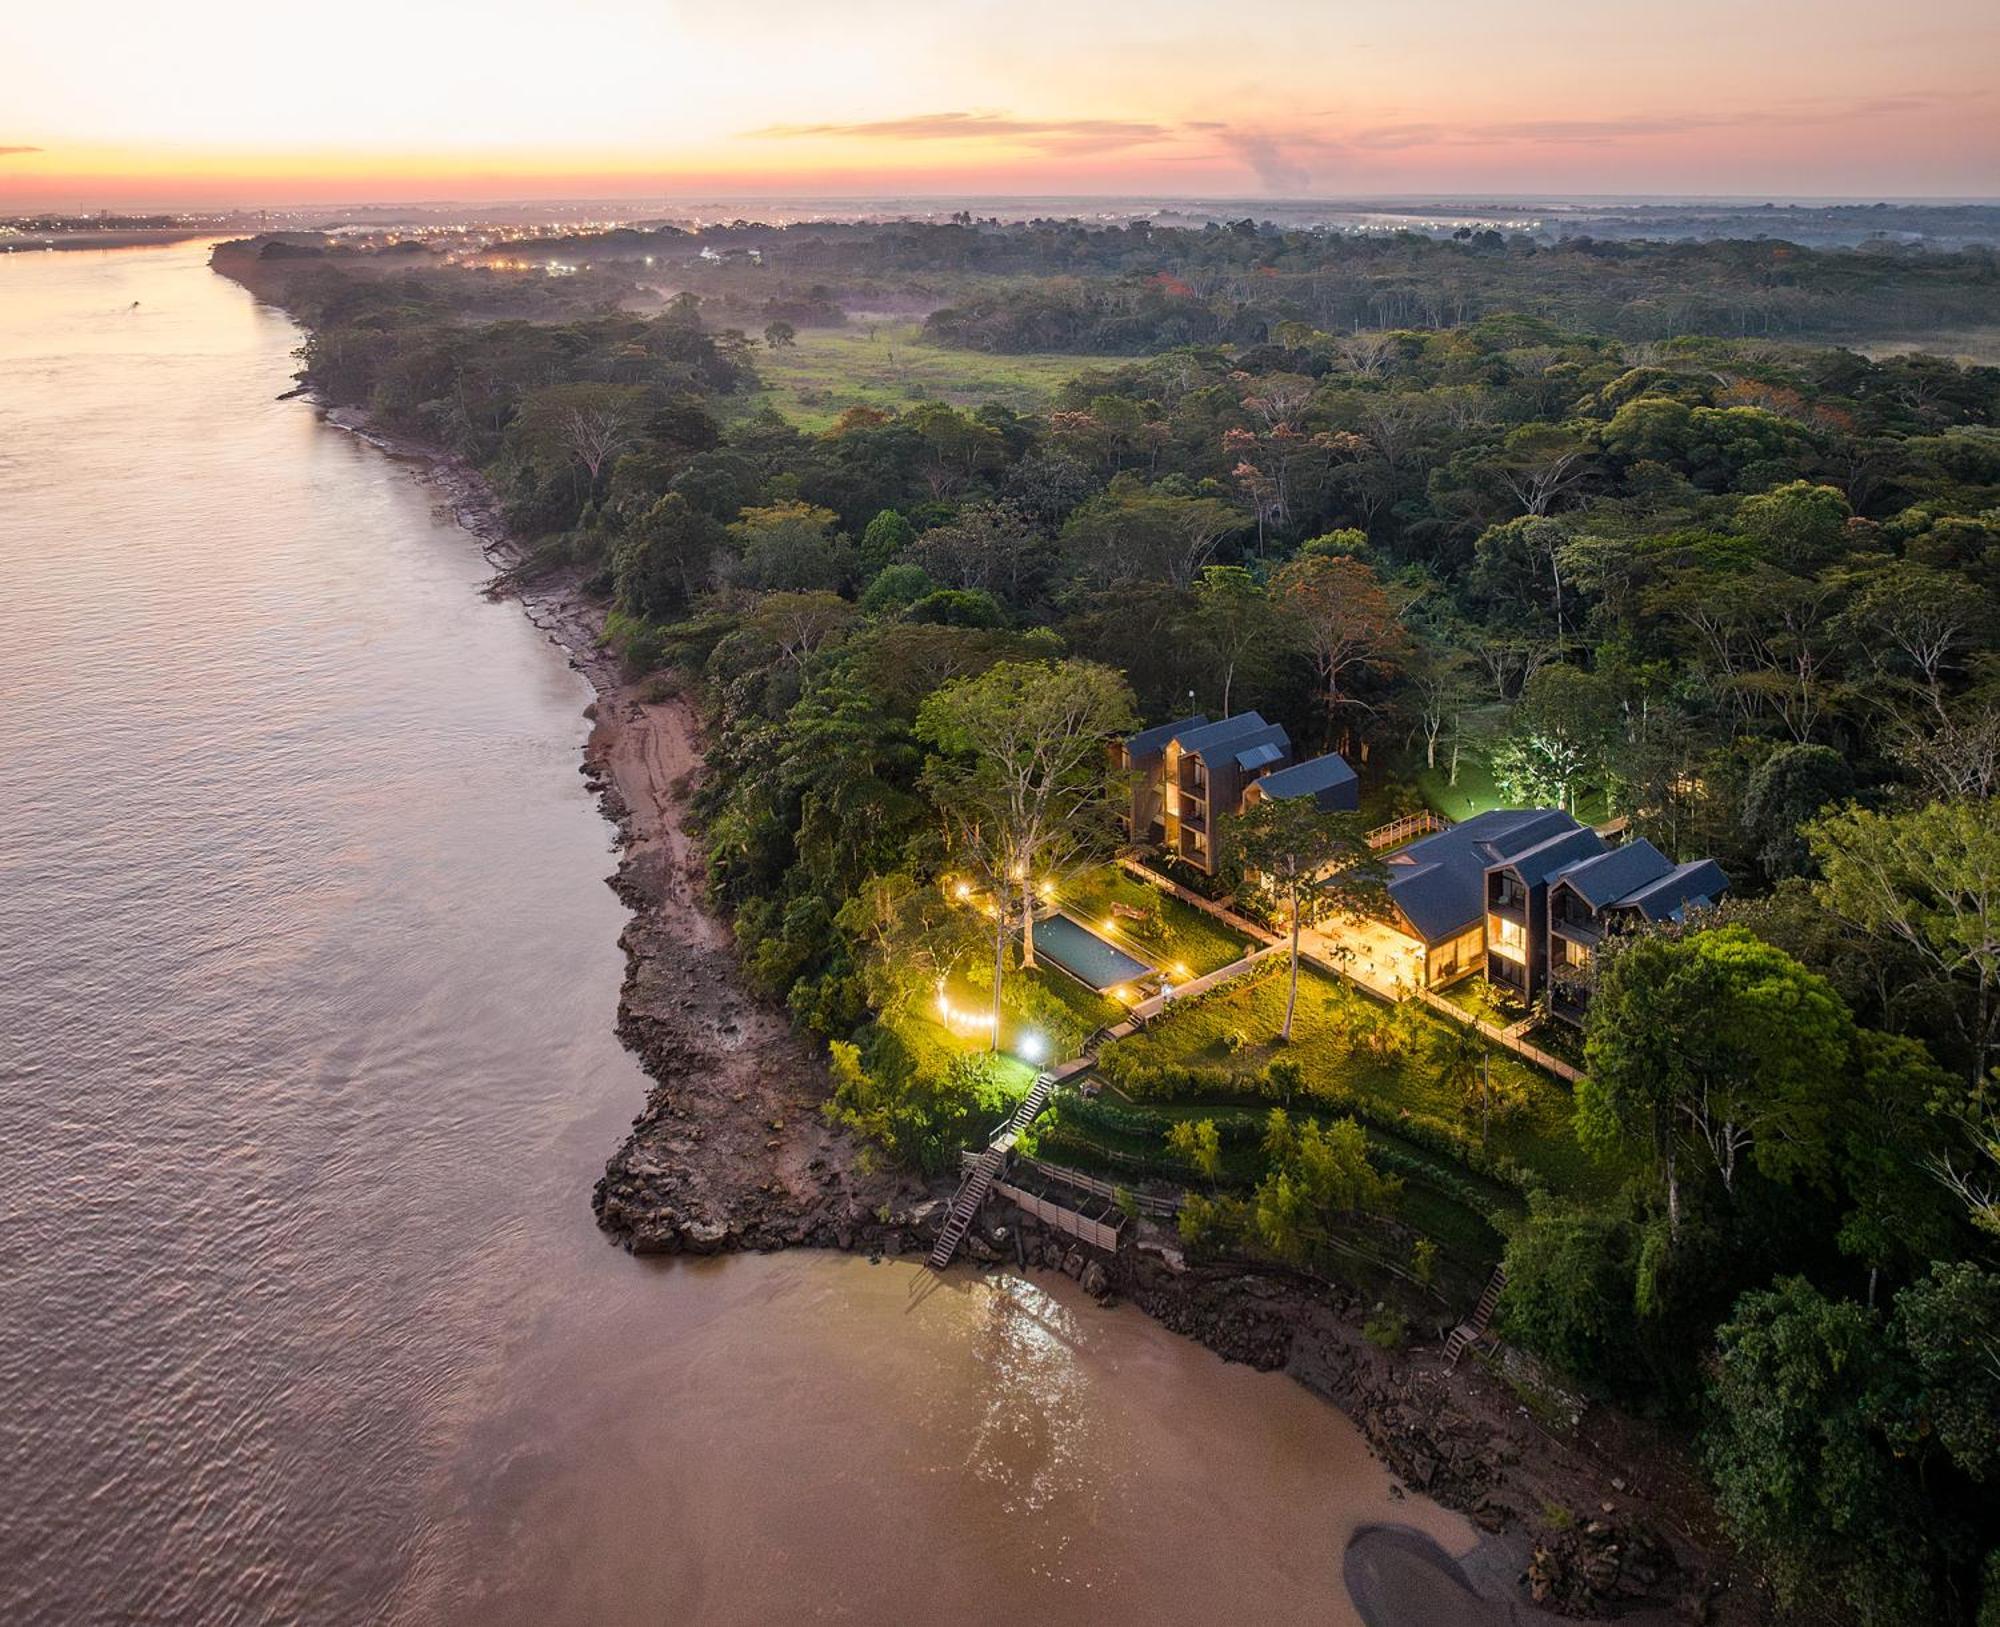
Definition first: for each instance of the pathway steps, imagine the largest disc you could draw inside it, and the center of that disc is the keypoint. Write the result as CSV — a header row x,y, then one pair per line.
x,y
979,1179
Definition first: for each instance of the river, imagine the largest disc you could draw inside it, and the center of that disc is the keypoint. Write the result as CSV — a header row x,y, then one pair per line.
x,y
307,977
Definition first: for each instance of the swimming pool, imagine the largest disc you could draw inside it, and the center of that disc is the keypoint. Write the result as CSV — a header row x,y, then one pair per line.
x,y
1084,955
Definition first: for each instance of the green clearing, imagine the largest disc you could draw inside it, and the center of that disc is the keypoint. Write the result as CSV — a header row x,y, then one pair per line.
x,y
1172,934
889,365
1474,793
932,1046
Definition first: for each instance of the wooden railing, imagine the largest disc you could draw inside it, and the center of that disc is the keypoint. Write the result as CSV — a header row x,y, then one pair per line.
x,y
1406,829
1146,1203
1507,1038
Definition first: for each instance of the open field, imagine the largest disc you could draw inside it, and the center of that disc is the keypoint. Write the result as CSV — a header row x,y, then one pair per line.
x,y
890,366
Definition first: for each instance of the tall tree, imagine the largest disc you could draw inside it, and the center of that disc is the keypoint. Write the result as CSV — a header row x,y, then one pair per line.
x,y
1800,1472
589,423
1560,734
1235,624
1293,851
1930,879
1347,620
1024,781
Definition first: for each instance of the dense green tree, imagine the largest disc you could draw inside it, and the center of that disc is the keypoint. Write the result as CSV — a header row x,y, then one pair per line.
x,y
665,559
1569,1293
1236,625
1928,878
1790,787
1799,1465
1558,737
1798,525
885,540
792,546
1316,1176
1716,1044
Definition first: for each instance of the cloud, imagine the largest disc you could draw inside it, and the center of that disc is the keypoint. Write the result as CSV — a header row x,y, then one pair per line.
x,y
7,152
1045,135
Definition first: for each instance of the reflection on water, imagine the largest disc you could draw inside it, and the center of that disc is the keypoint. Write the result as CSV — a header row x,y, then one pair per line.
x,y
302,1317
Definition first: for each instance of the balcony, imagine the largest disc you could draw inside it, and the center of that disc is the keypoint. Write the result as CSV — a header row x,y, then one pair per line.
x,y
1583,929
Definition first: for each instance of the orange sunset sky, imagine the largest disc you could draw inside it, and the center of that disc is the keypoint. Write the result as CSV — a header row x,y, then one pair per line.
x,y
227,102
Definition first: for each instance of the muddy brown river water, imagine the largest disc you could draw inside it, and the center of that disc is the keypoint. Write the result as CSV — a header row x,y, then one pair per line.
x,y
307,975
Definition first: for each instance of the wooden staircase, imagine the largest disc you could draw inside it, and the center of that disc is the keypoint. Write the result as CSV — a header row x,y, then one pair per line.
x,y
979,1179
1468,1333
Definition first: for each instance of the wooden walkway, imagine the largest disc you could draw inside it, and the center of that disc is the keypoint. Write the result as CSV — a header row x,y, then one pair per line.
x,y
1406,829
1146,1010
987,1166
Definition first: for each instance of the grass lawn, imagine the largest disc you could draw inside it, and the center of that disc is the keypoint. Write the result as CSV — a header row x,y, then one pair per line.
x,y
1538,1136
1501,1005
889,365
1019,1036
1174,933
933,1046
1474,793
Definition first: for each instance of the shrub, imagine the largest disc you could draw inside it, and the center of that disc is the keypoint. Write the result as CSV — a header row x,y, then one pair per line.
x,y
1424,1261
1570,1289
1386,1328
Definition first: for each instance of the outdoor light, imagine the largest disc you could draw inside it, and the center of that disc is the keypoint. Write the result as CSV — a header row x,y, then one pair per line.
x,y
1031,1048
963,889
1110,925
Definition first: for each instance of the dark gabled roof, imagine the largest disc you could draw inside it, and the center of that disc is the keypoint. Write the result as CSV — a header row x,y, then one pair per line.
x,y
1309,778
1608,877
1439,883
1151,742
1233,732
1256,757
1699,881
1247,750
1540,863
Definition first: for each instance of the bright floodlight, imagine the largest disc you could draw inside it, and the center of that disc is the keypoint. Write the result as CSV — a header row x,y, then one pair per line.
x,y
1031,1048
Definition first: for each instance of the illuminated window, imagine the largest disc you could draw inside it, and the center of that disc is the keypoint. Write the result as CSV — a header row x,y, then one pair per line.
x,y
1507,938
